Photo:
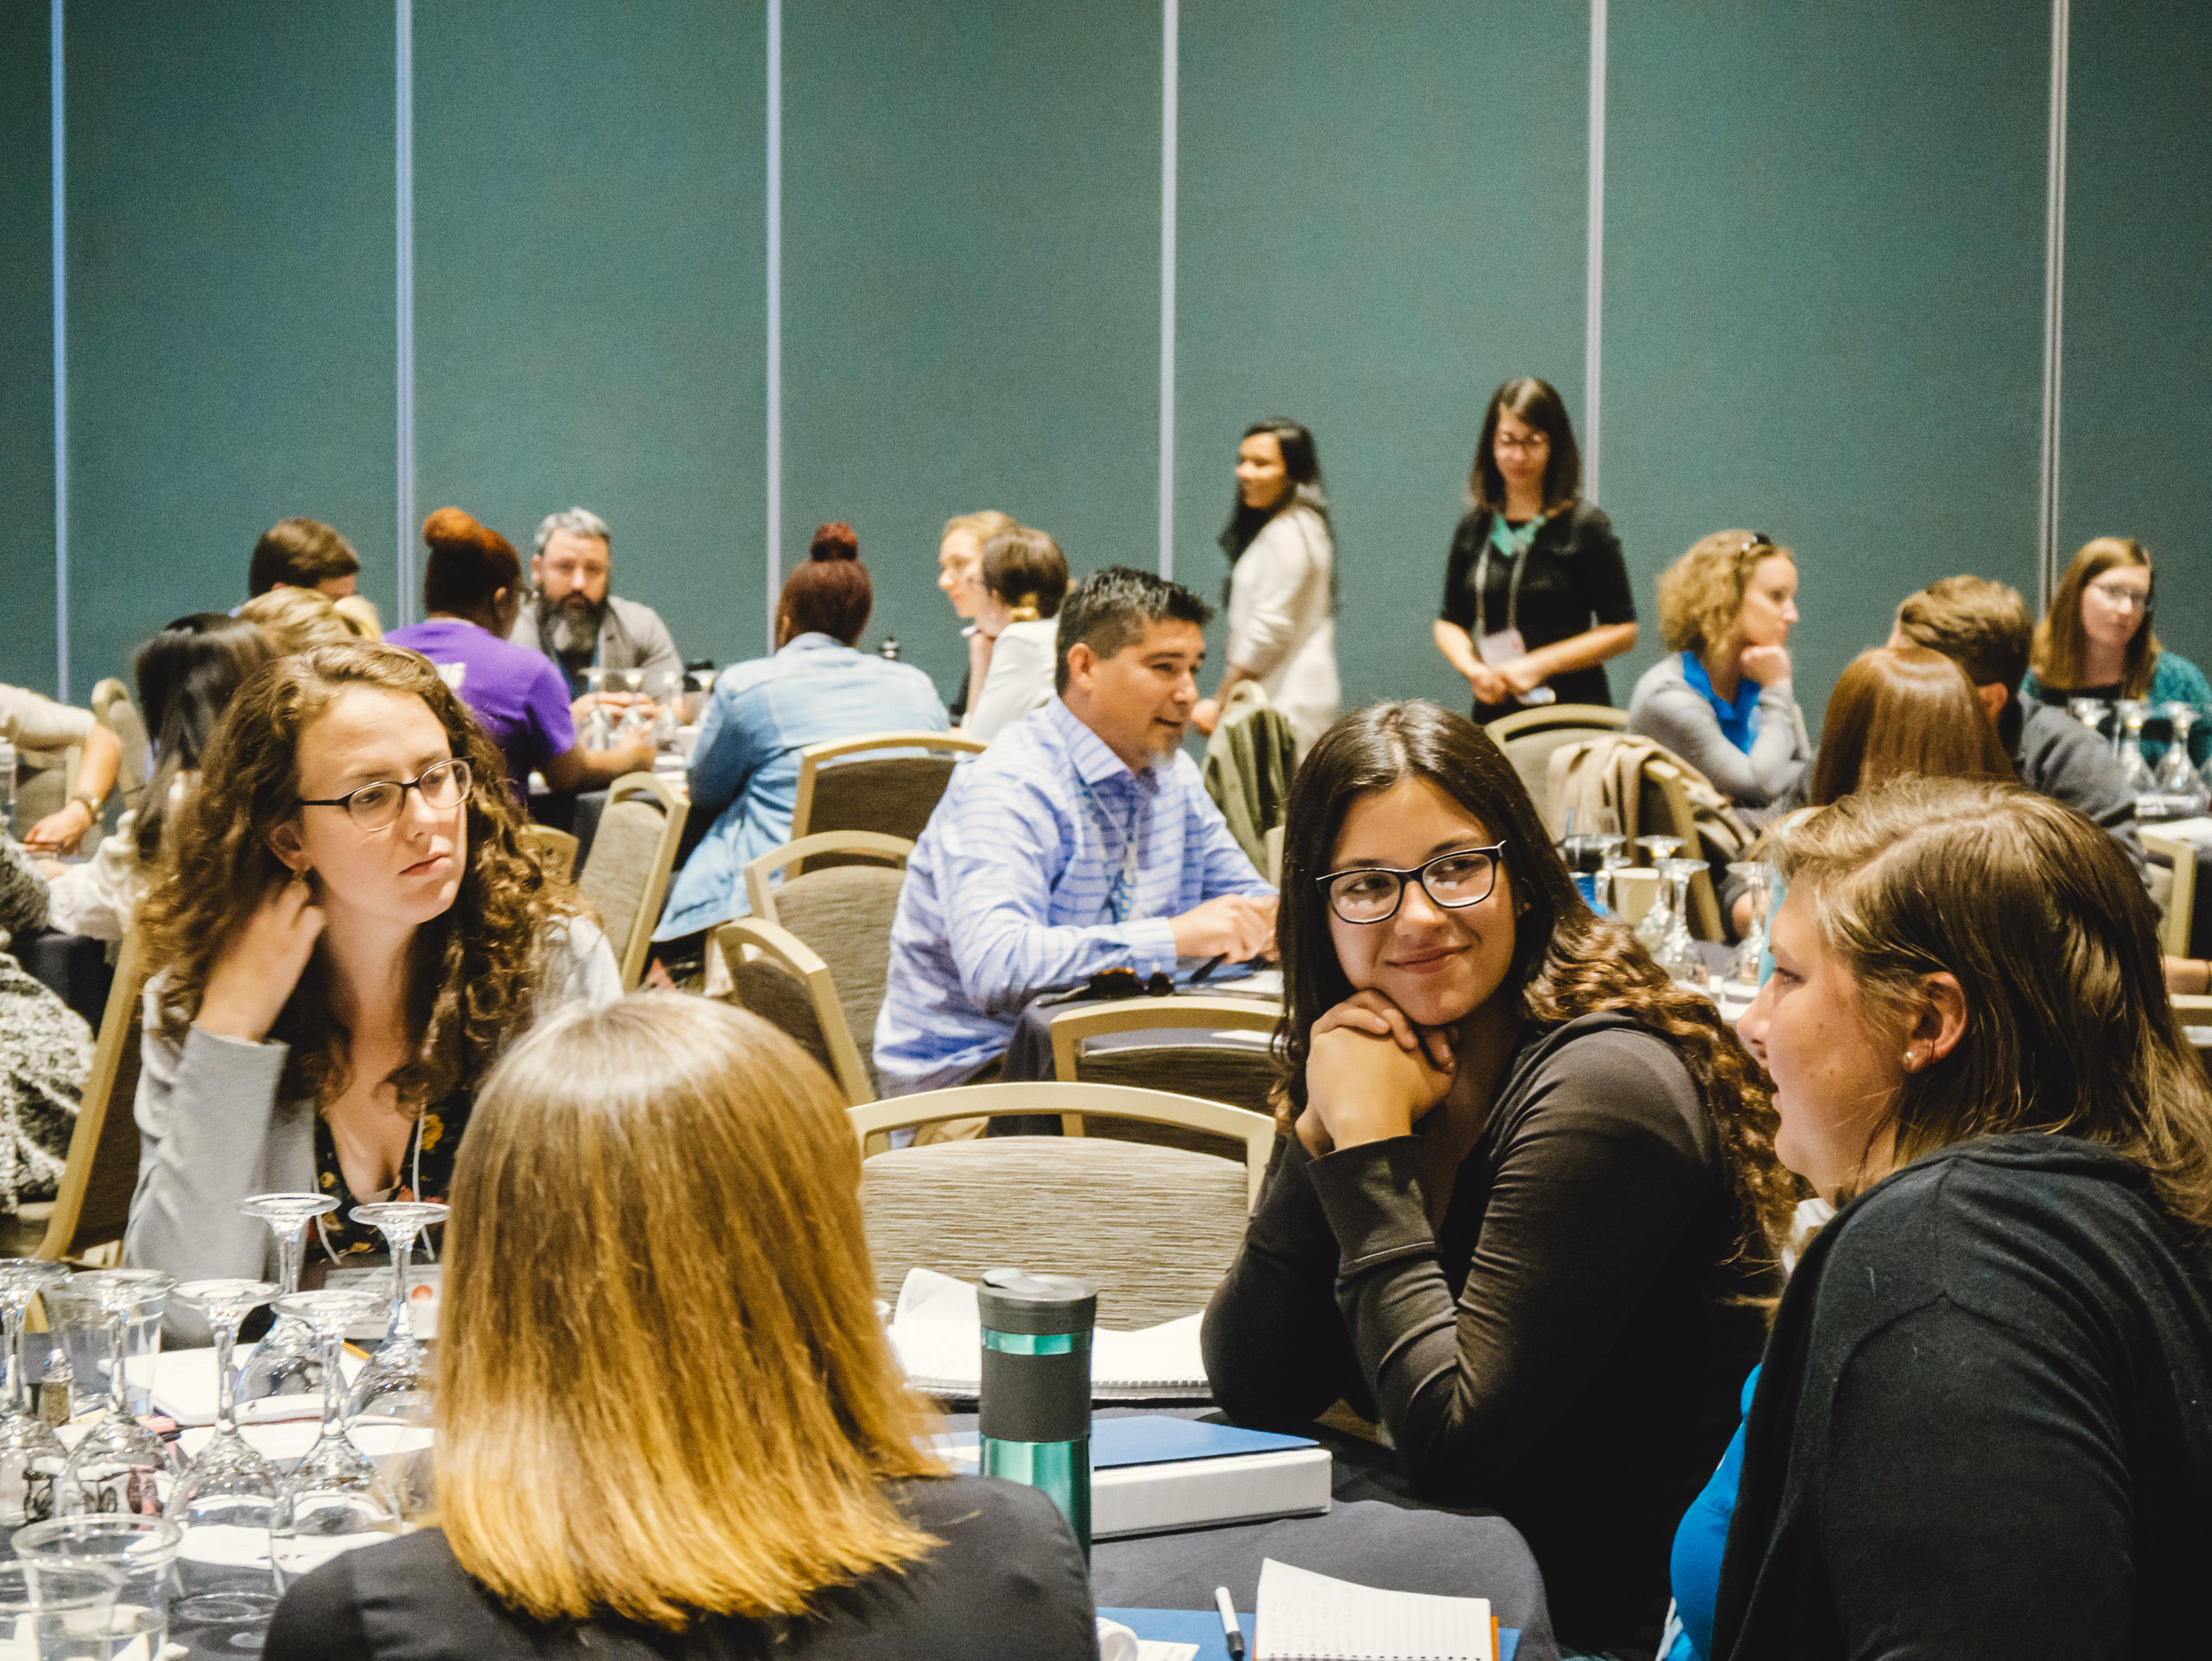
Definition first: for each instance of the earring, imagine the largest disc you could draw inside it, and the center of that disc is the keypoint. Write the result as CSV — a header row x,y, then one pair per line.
x,y
1912,1060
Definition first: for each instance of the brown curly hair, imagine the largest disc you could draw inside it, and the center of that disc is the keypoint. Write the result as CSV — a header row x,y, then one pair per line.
x,y
1567,962
474,972
1700,594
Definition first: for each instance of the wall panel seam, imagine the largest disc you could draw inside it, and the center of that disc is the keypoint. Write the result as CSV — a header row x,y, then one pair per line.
x,y
1593,319
2053,309
404,342
57,103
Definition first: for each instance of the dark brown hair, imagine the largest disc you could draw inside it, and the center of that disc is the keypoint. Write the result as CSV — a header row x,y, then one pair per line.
x,y
1536,403
1567,962
1904,712
473,974
2061,644
299,554
830,594
1981,626
1027,570
469,562
2042,919
186,676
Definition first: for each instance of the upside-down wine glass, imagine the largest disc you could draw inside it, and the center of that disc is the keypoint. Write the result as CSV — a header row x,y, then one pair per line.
x,y
225,1500
2127,744
332,1501
599,725
121,1466
1652,928
286,1362
1677,953
31,1454
397,1370
2176,774
2091,712
1757,877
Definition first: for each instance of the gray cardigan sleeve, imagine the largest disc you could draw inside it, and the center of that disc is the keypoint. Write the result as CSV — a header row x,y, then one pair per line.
x,y
1684,722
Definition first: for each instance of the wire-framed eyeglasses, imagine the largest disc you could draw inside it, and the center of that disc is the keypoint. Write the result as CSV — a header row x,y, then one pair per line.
x,y
443,784
1371,894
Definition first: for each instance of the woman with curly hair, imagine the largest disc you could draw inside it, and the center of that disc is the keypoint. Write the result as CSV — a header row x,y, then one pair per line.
x,y
1526,1206
347,935
1721,699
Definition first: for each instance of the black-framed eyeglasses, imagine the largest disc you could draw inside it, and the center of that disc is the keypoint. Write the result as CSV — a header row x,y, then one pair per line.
x,y
1371,894
443,784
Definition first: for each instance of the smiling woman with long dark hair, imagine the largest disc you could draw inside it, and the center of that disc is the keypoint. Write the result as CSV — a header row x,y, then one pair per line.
x,y
1524,1207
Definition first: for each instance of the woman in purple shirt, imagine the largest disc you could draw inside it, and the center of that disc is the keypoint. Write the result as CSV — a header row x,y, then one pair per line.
x,y
471,590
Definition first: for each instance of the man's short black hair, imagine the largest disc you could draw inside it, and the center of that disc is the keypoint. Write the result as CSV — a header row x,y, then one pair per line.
x,y
1110,610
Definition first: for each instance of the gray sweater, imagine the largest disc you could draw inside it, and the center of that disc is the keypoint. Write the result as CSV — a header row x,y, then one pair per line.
x,y
211,1131
1665,707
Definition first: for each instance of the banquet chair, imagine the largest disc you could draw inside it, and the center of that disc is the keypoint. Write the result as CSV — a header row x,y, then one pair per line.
x,y
1529,736
840,905
845,786
1156,1228
1239,1074
112,707
555,849
768,970
625,878
2178,914
92,1205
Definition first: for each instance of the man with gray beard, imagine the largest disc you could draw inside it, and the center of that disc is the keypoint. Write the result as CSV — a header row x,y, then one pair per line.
x,y
574,620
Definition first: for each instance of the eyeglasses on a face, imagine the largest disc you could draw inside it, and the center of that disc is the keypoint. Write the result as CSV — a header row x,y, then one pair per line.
x,y
2121,593
444,785
1372,893
1528,442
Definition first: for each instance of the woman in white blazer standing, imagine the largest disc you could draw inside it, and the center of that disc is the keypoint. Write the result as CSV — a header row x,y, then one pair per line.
x,y
1281,590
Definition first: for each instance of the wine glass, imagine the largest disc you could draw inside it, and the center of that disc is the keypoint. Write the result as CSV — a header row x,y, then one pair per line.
x,y
1756,876
121,1466
225,1499
2127,744
1652,928
2176,775
599,725
331,1501
637,719
1677,953
2090,712
285,1362
31,1454
397,1367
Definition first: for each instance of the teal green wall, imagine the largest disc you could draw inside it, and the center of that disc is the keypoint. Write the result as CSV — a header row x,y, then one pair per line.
x,y
1823,284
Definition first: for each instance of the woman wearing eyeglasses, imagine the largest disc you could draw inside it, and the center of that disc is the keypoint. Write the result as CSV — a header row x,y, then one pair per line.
x,y
1526,1191
346,936
1536,595
2096,641
1721,699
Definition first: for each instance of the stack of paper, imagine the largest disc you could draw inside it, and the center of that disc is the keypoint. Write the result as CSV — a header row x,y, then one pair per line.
x,y
938,1335
1308,1617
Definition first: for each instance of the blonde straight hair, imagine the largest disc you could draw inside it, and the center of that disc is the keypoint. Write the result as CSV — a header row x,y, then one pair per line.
x,y
664,1392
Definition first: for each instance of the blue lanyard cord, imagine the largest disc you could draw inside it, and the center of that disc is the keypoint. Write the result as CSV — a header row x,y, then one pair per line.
x,y
1121,898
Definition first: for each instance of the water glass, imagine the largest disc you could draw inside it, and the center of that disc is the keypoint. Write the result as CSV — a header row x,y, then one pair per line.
x,y
333,1501
59,1613
139,1552
31,1454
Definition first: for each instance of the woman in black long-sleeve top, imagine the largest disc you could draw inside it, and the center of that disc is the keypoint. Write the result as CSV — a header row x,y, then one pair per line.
x,y
1527,1195
1982,1429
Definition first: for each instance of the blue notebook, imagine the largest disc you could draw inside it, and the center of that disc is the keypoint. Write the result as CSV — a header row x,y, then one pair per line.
x,y
1131,1438
1202,1627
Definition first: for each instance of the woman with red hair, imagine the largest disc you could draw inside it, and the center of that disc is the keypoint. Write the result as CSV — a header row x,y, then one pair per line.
x,y
816,688
471,591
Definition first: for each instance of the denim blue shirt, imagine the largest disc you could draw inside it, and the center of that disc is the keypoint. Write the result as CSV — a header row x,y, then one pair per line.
x,y
1735,718
745,769
1010,890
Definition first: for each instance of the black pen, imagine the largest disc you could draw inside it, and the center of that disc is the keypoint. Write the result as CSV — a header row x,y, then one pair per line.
x,y
1232,1633
1208,967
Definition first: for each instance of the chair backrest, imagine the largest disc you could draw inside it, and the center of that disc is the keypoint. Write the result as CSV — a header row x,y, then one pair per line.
x,y
1156,1228
92,1204
2180,910
778,977
1545,717
1530,751
844,786
842,912
110,706
555,849
625,878
1274,867
1240,1075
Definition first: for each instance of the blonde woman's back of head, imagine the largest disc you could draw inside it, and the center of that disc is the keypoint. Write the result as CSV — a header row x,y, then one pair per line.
x,y
300,619
664,1390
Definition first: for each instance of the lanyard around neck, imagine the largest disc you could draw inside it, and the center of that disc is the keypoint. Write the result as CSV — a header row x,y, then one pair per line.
x,y
1514,545
1121,897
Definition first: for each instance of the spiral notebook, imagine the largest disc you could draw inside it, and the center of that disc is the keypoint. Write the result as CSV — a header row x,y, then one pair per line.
x,y
1308,1617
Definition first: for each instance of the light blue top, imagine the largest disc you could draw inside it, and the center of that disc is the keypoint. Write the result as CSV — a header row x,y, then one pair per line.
x,y
1013,888
1700,1542
745,771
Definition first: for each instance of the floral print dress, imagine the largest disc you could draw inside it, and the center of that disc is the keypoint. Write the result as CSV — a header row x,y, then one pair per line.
x,y
426,1174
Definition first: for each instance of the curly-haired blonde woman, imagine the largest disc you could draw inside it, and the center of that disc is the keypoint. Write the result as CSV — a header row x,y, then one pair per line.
x,y
1526,1208
346,937
1721,699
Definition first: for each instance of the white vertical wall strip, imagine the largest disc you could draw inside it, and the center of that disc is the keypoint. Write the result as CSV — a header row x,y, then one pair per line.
x,y
61,368
1171,26
1593,319
775,311
2054,308
403,243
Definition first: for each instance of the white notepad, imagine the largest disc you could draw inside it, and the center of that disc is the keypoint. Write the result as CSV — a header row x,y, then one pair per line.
x,y
937,1334
1308,1617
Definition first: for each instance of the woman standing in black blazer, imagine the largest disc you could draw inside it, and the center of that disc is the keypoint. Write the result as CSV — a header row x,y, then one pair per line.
x,y
1536,595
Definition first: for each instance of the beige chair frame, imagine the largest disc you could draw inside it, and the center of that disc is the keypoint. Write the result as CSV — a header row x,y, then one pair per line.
x,y
2181,903
65,1229
1070,1029
1256,1131
1544,717
1705,921
555,849
770,940
760,897
675,808
814,756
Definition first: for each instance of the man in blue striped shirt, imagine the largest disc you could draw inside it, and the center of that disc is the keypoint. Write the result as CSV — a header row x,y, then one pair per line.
x,y
1082,840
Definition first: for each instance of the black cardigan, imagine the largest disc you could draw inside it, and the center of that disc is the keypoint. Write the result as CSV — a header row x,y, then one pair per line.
x,y
1985,1424
1556,1351
1576,581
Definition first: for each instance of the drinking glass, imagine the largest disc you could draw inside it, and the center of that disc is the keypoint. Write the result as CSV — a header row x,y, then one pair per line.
x,y
1677,953
286,1361
56,1614
397,1368
2127,744
225,1499
637,721
121,1466
2176,776
2090,712
31,1454
1652,929
139,1552
702,689
1757,875
599,725
331,1501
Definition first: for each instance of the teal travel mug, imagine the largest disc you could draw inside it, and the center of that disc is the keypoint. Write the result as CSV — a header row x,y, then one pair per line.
x,y
1033,1416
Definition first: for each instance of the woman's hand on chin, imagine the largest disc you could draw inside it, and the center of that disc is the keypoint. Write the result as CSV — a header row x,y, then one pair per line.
x,y
1372,1074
